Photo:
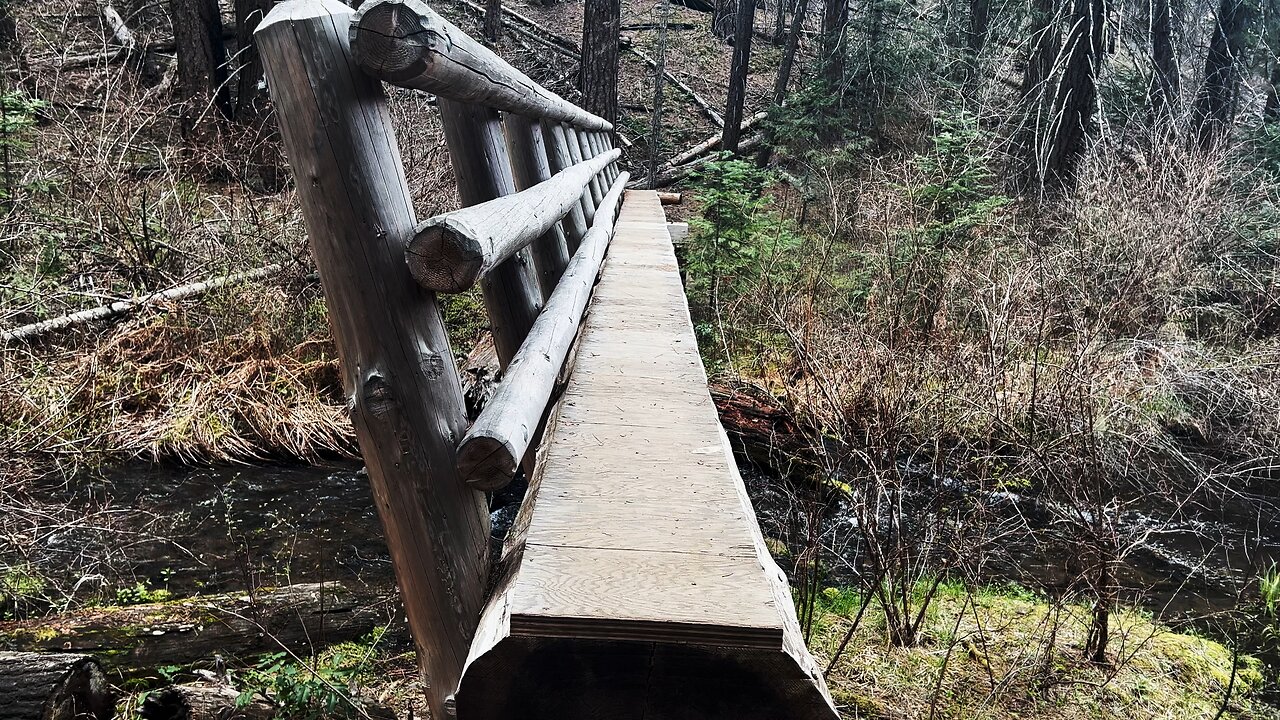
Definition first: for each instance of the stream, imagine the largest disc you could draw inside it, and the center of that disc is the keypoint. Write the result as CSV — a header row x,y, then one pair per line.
x,y
217,529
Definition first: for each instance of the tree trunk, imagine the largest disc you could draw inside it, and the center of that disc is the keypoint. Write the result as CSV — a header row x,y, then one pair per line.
x,y
1074,103
304,618
745,24
600,26
53,686
835,15
202,69
1215,103
789,53
780,21
259,138
722,19
1271,111
251,90
659,67
1165,80
493,20
979,26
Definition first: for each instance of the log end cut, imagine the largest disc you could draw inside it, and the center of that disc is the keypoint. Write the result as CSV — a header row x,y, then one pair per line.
x,y
443,259
391,41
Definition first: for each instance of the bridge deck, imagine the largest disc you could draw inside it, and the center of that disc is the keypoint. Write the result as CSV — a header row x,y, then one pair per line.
x,y
640,529
637,584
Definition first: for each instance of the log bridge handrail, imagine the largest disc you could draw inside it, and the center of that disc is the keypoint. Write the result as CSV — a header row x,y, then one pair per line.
x,y
541,191
540,186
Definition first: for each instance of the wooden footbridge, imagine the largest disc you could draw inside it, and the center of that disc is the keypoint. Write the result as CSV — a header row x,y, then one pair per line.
x,y
635,583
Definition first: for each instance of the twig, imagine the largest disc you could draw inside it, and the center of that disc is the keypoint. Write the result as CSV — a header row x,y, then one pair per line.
x,y
121,307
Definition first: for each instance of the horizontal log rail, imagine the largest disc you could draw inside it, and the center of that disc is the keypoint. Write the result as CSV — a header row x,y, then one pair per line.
x,y
492,449
406,43
451,252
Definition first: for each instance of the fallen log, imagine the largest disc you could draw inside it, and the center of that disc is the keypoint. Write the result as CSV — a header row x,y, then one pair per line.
x,y
712,142
675,174
130,640
670,198
26,332
202,702
565,44
759,425
695,97
53,686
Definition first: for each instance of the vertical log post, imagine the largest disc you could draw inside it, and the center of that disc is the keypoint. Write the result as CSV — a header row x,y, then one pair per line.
x,y
397,367
575,223
580,150
589,198
482,169
530,166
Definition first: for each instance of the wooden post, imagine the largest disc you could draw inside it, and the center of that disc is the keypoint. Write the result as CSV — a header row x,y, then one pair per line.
x,y
580,151
530,166
575,223
589,197
483,172
397,367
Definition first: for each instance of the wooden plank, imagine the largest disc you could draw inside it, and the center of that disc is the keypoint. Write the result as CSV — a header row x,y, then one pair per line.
x,y
406,43
397,368
636,573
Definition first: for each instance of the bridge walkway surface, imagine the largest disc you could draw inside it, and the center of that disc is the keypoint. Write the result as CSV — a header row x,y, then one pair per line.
x,y
639,569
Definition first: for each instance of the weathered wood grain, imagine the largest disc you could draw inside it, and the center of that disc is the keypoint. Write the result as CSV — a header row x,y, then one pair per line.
x,y
494,446
406,43
450,252
575,223
397,366
482,171
53,686
590,198
529,165
579,137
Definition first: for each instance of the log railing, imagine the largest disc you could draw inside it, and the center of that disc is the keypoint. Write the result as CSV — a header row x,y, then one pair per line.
x,y
540,187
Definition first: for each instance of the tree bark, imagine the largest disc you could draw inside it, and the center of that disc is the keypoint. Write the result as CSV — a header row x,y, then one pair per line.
x,y
1165,81
659,68
600,24
53,686
1074,102
835,15
493,20
202,68
979,26
1271,111
745,24
1214,110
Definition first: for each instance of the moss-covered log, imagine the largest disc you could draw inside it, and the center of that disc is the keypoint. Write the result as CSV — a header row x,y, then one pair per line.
x,y
53,686
127,640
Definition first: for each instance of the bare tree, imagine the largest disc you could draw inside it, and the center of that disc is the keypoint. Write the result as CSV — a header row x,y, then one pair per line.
x,y
722,19
1071,115
745,24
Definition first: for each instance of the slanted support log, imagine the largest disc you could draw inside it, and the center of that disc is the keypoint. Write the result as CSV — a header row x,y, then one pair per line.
x,y
53,686
450,252
528,152
482,170
406,43
575,222
397,367
496,443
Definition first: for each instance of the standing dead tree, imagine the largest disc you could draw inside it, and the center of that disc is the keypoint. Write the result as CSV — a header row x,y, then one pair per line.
x,y
738,74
